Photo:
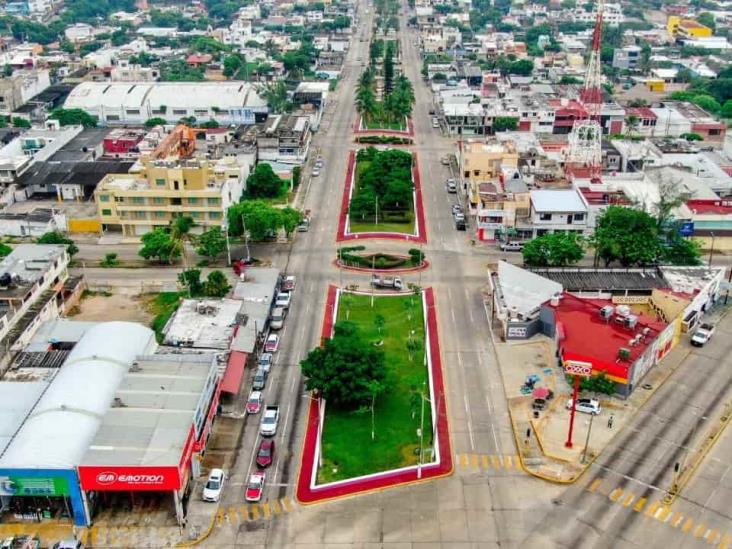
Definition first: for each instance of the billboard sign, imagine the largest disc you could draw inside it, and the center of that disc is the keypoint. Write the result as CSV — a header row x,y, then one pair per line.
x,y
686,228
50,486
577,368
129,478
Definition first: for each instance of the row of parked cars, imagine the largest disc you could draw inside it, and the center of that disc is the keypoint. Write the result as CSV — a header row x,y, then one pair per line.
x,y
255,404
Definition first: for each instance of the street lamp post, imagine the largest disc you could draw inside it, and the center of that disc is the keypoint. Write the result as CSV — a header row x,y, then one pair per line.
x,y
587,440
711,250
421,433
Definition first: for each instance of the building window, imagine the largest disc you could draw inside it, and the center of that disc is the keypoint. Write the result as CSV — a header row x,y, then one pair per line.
x,y
579,217
545,217
104,198
140,215
714,132
181,112
106,212
159,214
193,200
133,112
138,200
200,112
119,199
214,201
160,182
214,215
112,118
158,200
196,215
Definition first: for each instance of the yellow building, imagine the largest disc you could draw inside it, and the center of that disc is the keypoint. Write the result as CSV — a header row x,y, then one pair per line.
x,y
686,28
485,161
136,203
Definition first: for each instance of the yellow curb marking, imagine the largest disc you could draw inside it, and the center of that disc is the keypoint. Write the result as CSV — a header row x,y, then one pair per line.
x,y
463,460
496,462
628,500
595,484
700,529
233,515
485,461
286,504
474,461
265,510
726,540
276,508
615,494
640,504
219,517
687,525
712,536
507,461
244,511
255,511
652,509
663,513
678,517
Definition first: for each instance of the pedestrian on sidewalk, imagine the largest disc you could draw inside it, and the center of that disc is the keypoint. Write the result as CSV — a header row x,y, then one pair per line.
x,y
610,422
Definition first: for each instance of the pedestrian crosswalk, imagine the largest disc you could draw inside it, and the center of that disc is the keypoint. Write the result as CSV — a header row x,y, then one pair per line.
x,y
653,508
487,462
265,510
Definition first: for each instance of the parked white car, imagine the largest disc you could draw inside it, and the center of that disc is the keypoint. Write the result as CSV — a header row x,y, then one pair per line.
x,y
586,406
214,485
283,300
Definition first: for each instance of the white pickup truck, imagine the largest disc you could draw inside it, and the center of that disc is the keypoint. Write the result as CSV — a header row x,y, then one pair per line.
x,y
270,418
702,335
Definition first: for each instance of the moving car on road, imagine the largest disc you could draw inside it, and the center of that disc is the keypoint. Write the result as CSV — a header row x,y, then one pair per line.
x,y
272,343
265,362
255,488
392,282
214,485
586,406
702,335
451,186
512,246
254,402
270,419
265,454
457,209
260,379
289,283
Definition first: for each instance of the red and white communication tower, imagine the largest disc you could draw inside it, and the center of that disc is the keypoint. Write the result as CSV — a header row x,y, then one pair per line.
x,y
584,156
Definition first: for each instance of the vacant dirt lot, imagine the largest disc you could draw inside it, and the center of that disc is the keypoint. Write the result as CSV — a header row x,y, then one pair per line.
x,y
101,307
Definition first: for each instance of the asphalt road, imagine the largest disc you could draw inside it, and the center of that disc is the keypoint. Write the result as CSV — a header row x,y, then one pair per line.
x,y
488,502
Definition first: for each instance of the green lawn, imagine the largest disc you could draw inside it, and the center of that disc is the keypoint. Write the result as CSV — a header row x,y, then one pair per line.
x,y
163,305
366,226
348,450
378,124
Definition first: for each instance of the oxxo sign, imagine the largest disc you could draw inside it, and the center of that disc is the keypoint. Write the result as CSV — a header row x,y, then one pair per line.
x,y
129,478
576,368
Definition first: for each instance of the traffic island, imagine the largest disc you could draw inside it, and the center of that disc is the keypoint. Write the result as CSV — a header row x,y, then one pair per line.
x,y
403,220
357,259
400,128
345,452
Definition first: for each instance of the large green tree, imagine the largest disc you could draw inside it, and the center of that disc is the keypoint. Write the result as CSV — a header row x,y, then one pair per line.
x,y
626,235
554,250
345,368
211,243
55,237
157,244
74,117
263,182
261,219
216,284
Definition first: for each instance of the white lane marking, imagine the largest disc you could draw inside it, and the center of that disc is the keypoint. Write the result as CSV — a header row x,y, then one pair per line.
x,y
470,309
470,426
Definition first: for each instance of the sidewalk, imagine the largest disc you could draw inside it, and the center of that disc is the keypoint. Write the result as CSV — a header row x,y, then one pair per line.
x,y
540,437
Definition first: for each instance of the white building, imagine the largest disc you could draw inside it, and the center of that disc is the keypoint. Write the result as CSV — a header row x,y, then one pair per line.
x,y
556,211
136,102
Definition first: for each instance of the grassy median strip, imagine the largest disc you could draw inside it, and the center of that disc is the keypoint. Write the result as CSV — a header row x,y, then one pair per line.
x,y
348,450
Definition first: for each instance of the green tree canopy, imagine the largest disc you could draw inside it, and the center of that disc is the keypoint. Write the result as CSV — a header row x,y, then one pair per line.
x,y
344,368
554,250
55,237
157,244
505,123
155,121
74,117
211,243
261,219
5,249
216,284
263,182
626,235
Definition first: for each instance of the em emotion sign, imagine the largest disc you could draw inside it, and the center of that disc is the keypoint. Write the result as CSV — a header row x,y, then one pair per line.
x,y
577,368
129,478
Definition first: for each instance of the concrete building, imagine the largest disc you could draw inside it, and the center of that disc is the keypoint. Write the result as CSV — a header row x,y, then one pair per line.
x,y
136,102
555,211
35,223
285,139
136,203
32,281
682,29
627,58
22,86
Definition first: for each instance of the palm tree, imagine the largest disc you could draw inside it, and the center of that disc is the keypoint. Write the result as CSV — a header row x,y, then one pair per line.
x,y
180,233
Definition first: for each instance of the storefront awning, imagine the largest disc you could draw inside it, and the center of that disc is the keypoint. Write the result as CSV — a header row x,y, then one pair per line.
x,y
234,372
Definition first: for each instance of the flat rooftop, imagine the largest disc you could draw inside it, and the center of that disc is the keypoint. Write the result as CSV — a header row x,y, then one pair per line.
x,y
204,323
587,334
152,411
17,399
609,280
26,264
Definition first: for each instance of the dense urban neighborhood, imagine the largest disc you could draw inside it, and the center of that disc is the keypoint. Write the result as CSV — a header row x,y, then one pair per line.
x,y
365,273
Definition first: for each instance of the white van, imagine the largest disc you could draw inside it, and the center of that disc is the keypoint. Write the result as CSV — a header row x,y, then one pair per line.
x,y
277,320
586,406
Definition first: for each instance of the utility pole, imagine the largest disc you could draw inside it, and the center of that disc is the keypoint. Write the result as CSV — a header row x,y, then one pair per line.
x,y
246,238
711,250
587,440
228,245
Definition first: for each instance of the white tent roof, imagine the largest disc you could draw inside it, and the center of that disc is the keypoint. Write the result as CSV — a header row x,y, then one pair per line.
x,y
522,290
58,431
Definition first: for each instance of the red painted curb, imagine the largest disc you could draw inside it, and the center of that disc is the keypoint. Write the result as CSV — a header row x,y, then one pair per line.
x,y
341,235
425,265
305,494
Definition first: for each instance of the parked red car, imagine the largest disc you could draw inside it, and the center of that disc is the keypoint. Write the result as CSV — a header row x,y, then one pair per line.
x,y
265,454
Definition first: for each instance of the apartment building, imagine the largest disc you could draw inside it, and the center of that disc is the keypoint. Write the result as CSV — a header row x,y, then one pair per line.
x,y
136,203
555,210
19,88
627,58
32,281
681,28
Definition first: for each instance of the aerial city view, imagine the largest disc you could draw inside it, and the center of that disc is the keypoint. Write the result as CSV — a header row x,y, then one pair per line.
x,y
345,274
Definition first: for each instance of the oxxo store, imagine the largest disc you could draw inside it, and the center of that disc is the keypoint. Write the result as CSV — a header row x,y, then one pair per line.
x,y
150,439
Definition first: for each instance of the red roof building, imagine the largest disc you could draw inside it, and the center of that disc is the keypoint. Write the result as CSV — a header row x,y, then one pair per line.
x,y
616,341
